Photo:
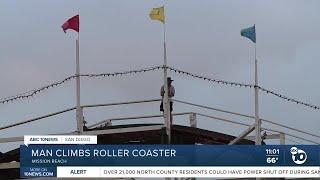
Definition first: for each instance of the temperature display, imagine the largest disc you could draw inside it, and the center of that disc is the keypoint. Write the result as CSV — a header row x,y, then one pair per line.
x,y
272,155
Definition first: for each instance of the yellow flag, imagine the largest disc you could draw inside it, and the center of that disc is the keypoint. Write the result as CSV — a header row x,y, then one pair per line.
x,y
157,14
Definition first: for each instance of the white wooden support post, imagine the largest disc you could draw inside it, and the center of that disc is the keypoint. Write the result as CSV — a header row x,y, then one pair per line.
x,y
282,139
193,120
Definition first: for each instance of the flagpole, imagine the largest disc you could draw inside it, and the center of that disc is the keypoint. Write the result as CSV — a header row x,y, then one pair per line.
x,y
78,107
256,100
166,102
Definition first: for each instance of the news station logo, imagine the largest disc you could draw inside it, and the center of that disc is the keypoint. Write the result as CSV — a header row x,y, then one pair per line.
x,y
298,155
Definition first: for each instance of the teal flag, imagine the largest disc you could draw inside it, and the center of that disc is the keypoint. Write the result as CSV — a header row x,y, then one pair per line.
x,y
249,33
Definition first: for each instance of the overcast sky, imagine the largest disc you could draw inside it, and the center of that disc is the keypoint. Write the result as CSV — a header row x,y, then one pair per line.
x,y
203,37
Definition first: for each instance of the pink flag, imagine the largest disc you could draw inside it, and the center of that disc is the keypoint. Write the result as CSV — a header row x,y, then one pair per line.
x,y
72,23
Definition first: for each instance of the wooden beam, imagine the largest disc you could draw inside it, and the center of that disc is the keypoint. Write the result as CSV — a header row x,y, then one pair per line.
x,y
10,165
243,134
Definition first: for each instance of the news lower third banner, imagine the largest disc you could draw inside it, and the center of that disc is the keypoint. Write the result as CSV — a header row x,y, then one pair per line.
x,y
169,161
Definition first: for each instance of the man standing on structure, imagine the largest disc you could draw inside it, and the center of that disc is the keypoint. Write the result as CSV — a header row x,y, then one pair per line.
x,y
170,95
